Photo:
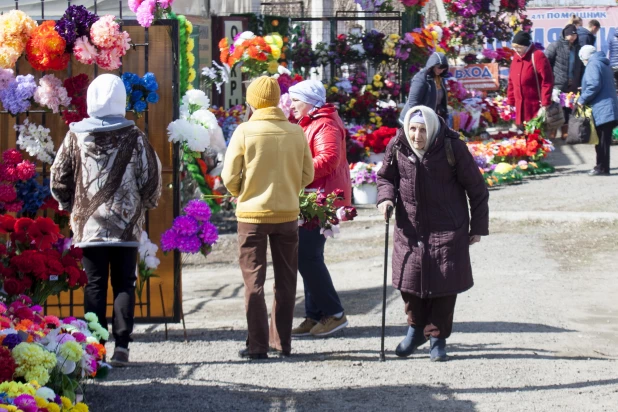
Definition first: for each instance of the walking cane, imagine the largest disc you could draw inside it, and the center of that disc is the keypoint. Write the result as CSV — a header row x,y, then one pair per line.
x,y
389,211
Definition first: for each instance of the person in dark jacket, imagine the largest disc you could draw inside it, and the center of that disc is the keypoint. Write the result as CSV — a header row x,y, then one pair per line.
x,y
613,56
428,88
597,92
433,230
588,36
568,69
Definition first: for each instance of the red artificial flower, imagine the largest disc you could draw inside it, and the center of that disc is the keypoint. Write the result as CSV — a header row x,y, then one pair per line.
x,y
13,286
25,170
76,253
31,262
7,224
53,262
7,193
338,193
73,276
8,173
20,233
7,365
44,232
12,157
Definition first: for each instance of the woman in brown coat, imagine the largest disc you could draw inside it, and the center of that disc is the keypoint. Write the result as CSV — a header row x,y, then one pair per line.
x,y
430,175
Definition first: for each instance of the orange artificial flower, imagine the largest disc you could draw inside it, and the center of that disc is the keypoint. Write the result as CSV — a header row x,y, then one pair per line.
x,y
45,49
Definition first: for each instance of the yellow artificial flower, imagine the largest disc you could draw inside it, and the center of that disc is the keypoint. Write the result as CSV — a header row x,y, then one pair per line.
x,y
376,94
372,120
275,52
190,59
52,407
190,44
14,389
80,407
377,78
190,87
72,351
38,373
369,88
192,75
273,67
189,27
40,402
334,89
66,402
274,38
9,408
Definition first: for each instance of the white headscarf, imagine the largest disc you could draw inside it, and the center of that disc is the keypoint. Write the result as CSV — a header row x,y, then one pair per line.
x,y
309,91
432,124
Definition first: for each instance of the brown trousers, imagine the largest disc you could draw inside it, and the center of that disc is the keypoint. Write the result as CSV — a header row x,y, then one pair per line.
x,y
434,315
252,240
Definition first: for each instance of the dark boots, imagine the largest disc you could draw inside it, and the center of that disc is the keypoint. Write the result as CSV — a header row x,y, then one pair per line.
x,y
411,342
437,350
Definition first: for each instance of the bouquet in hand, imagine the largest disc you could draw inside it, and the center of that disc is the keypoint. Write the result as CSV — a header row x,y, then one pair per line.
x,y
318,209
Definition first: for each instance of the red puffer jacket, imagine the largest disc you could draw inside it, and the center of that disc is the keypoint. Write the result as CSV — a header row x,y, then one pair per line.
x,y
325,134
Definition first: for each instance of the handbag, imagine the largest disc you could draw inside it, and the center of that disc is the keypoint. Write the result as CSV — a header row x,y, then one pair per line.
x,y
579,127
554,116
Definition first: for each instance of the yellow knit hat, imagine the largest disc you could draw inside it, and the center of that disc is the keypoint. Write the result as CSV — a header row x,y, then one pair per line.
x,y
263,92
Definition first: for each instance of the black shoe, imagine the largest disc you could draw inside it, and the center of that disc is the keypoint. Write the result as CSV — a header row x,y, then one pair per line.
x,y
244,354
280,353
411,342
597,172
437,350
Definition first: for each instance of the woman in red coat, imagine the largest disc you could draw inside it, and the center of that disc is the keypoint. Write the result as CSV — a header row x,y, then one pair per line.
x,y
325,133
523,92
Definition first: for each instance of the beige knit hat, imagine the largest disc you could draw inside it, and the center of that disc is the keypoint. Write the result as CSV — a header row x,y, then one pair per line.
x,y
263,92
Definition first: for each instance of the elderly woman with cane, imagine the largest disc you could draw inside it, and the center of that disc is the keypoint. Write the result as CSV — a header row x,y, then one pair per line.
x,y
429,175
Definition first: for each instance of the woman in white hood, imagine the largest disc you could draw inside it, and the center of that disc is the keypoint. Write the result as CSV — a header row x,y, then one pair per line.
x,y
106,174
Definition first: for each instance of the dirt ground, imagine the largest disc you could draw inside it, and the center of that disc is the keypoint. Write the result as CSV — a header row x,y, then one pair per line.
x,y
538,332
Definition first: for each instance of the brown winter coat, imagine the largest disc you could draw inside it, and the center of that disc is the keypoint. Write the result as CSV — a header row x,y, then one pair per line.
x,y
432,225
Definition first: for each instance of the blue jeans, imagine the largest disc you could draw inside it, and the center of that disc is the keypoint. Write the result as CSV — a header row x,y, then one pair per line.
x,y
321,298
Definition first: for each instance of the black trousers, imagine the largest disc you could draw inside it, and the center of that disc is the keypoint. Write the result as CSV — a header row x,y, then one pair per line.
x,y
434,315
605,142
121,262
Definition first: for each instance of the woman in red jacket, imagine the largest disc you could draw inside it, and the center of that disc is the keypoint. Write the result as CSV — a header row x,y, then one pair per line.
x,y
325,133
523,92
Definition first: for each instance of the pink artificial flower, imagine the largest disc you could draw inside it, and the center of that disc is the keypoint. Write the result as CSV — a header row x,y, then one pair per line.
x,y
410,3
164,4
145,12
79,337
109,59
52,320
25,170
84,51
134,4
14,207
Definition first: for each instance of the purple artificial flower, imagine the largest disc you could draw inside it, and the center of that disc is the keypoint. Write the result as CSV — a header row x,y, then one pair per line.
x,y
16,97
188,244
37,308
199,210
186,225
26,403
12,340
209,233
75,23
169,240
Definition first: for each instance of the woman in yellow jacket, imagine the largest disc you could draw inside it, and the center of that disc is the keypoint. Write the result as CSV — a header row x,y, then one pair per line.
x,y
267,164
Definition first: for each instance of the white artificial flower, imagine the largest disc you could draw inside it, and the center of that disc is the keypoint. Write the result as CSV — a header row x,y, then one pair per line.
x,y
152,262
206,118
46,393
246,35
35,140
283,70
440,32
144,239
327,233
196,97
359,48
66,366
194,136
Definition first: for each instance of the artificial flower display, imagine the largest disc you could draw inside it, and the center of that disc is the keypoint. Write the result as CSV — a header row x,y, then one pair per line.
x,y
140,91
148,11
229,119
17,96
38,261
147,265
15,29
105,46
192,232
317,209
255,55
46,49
51,94
36,141
192,129
217,75
364,173
61,354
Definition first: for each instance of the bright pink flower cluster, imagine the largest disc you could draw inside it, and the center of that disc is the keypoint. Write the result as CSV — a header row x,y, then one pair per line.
x,y
106,46
147,11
